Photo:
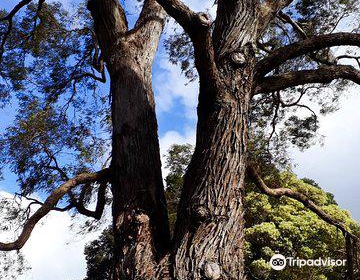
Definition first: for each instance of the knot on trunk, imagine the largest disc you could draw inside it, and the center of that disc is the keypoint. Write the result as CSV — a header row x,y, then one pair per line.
x,y
204,19
200,213
238,58
142,218
212,271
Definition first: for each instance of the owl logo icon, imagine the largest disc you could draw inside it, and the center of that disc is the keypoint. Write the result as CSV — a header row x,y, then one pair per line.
x,y
278,262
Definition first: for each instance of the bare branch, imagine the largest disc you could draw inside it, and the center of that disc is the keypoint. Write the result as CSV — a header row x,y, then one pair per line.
x,y
346,56
278,192
38,202
268,11
323,75
101,79
287,19
311,44
49,204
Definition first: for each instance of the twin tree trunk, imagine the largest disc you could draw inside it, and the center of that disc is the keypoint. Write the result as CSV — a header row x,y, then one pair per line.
x,y
209,235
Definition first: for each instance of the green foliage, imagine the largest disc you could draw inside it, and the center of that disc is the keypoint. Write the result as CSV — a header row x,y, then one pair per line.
x,y
99,256
177,160
286,226
62,125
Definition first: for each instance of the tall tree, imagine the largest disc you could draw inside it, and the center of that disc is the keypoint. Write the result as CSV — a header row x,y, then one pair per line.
x,y
47,60
209,234
140,220
42,47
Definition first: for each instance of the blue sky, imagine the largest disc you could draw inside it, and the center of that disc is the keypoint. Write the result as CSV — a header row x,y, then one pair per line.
x,y
334,165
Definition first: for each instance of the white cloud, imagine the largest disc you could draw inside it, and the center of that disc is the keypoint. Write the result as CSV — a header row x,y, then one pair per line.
x,y
335,165
170,85
173,137
202,6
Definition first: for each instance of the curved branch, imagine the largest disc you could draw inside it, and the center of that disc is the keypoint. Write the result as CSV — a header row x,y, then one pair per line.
x,y
188,19
345,56
323,75
311,44
298,29
309,204
16,8
49,204
100,205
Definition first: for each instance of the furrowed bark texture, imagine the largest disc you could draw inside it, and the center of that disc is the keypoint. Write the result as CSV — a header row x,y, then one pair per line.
x,y
139,209
209,234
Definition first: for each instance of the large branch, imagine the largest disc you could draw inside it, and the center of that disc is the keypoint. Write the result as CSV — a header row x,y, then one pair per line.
x,y
188,19
311,44
268,11
151,12
110,23
309,204
49,204
322,75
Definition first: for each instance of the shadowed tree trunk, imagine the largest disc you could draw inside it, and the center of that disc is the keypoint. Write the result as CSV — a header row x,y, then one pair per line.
x,y
140,220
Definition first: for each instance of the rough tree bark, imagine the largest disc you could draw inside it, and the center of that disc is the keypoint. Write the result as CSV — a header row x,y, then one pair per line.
x,y
139,208
209,237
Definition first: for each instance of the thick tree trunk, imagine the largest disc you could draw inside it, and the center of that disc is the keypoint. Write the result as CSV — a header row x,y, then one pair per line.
x,y
140,220
139,207
210,229
209,235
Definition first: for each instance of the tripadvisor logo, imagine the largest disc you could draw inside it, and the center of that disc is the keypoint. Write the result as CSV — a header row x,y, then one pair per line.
x,y
279,262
